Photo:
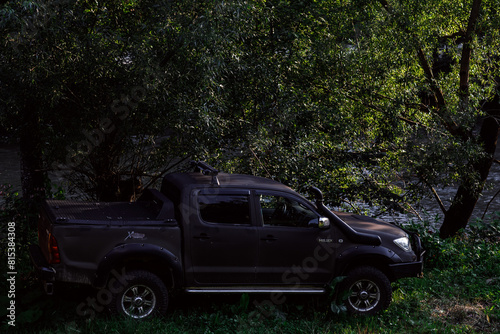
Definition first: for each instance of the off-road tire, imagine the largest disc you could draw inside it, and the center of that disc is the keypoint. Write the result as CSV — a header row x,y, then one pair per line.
x,y
367,291
144,295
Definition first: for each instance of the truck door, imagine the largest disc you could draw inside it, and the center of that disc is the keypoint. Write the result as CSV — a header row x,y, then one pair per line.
x,y
223,238
294,249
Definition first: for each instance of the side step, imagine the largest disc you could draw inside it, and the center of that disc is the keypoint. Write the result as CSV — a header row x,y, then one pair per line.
x,y
256,290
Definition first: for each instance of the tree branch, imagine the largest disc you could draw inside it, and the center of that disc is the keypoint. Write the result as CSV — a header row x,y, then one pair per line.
x,y
467,52
438,199
450,125
435,194
424,63
410,209
409,121
491,201
160,174
376,108
260,162
439,100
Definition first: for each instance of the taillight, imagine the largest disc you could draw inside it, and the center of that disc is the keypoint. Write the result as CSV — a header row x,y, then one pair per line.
x,y
54,256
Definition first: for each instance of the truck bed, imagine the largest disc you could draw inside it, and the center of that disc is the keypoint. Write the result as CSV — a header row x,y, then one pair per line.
x,y
87,233
153,209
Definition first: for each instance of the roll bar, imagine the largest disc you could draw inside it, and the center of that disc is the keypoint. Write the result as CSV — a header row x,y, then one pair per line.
x,y
206,169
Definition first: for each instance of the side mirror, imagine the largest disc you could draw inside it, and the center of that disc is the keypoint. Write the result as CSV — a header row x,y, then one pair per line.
x,y
321,222
324,223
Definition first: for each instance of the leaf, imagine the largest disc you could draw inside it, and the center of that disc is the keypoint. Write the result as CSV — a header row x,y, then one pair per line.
x,y
338,309
29,316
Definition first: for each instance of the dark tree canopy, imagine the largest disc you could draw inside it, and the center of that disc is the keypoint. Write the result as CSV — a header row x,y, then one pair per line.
x,y
374,101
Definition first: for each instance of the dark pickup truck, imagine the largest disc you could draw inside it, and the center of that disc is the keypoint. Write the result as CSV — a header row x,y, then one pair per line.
x,y
211,232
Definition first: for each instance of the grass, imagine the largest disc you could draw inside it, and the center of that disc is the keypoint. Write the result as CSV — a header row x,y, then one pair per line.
x,y
419,306
459,293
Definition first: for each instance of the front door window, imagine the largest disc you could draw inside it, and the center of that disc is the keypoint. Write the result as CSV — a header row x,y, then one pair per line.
x,y
283,211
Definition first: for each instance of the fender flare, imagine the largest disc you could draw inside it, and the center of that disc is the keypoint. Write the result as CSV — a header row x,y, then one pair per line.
x,y
122,252
369,255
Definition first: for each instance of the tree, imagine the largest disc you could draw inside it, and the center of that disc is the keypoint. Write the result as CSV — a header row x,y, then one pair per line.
x,y
79,86
380,102
457,53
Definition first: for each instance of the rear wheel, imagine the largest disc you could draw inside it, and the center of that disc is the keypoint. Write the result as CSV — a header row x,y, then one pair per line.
x,y
144,295
368,291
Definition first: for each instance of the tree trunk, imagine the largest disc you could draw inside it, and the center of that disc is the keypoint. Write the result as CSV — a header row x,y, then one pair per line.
x,y
460,211
33,175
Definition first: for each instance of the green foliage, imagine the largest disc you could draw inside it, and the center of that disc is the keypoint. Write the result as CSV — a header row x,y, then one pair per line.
x,y
347,104
17,232
88,68
487,229
467,251
334,93
330,93
336,305
13,209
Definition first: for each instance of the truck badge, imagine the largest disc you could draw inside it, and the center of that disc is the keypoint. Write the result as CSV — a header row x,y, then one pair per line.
x,y
134,235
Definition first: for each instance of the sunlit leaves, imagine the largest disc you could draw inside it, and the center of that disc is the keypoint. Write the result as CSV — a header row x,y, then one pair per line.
x,y
325,92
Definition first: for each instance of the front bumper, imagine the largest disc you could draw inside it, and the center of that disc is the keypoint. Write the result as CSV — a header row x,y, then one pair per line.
x,y
410,269
43,270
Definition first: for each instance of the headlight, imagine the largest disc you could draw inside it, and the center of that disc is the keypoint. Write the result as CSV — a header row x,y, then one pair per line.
x,y
403,243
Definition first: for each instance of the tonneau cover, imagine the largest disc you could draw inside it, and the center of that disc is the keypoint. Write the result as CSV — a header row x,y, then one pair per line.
x,y
153,209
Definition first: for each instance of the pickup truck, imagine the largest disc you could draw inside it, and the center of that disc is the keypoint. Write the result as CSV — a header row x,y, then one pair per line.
x,y
211,232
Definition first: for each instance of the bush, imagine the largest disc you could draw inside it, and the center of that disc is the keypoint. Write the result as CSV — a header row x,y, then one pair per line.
x,y
465,267
468,248
13,209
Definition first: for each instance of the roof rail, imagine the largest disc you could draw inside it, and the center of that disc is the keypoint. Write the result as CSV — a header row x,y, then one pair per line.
x,y
206,169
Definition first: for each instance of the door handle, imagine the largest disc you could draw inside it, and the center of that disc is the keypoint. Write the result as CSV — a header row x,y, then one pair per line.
x,y
202,236
269,238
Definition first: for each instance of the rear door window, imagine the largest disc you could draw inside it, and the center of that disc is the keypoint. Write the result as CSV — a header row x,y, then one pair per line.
x,y
225,209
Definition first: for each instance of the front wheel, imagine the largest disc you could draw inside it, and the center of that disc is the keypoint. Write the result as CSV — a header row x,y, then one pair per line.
x,y
368,291
143,296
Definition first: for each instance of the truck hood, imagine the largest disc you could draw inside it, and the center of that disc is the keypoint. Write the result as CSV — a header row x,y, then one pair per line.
x,y
365,224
